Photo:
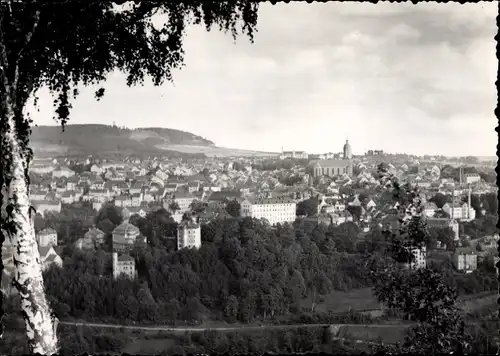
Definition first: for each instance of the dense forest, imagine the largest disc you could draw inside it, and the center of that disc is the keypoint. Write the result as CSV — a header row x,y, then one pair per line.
x,y
244,271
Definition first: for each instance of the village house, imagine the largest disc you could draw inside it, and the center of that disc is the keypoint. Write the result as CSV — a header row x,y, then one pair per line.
x,y
96,235
188,235
184,200
123,201
430,209
47,237
465,259
123,265
62,172
96,169
49,256
43,206
124,236
274,210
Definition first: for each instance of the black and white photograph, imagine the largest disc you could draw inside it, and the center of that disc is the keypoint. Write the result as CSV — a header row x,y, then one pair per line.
x,y
241,177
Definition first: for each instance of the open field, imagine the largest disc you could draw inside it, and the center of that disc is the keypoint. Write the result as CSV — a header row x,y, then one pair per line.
x,y
211,151
356,300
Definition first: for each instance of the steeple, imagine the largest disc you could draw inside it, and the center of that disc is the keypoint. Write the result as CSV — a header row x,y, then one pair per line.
x,y
347,150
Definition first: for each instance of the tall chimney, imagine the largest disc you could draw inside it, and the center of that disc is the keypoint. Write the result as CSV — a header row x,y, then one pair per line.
x,y
469,202
453,204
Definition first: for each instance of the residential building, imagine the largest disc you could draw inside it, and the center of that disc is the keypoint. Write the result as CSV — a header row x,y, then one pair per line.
x,y
419,257
62,172
124,236
123,265
42,206
443,223
460,211
188,235
430,209
294,155
47,237
96,235
184,201
274,210
49,256
472,178
465,259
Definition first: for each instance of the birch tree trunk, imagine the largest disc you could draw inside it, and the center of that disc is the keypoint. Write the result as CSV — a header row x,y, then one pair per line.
x,y
18,227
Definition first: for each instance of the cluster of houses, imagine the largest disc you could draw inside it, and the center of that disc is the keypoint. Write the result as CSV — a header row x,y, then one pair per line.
x,y
138,186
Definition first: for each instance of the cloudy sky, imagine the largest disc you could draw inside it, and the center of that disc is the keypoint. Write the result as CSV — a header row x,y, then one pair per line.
x,y
398,77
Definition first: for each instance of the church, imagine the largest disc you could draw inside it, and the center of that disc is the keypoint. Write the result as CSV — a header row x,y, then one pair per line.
x,y
335,167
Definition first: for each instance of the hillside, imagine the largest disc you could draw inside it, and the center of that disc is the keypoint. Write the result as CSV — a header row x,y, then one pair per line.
x,y
93,139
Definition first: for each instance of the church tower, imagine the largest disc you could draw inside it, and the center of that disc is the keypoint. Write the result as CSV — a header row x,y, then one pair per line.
x,y
347,150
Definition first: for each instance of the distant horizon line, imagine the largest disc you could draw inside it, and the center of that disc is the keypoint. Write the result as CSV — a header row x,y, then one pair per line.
x,y
492,157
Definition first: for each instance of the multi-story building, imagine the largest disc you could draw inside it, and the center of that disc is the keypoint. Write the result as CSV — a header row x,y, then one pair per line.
x,y
42,206
63,172
96,235
443,223
472,178
123,265
47,237
124,236
460,211
274,210
294,154
188,235
465,259
419,257
184,201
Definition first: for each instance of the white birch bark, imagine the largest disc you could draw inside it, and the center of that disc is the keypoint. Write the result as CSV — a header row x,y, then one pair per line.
x,y
27,278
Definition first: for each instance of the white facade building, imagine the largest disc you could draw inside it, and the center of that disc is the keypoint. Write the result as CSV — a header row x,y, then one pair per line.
x,y
123,264
47,237
188,235
274,210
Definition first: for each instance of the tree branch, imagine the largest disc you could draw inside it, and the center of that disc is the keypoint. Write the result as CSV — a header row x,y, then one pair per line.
x,y
4,62
29,35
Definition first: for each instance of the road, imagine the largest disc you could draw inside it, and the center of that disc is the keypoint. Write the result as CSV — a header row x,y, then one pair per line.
x,y
218,328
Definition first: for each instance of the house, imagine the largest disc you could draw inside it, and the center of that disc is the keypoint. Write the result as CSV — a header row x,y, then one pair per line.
x,y
460,211
294,155
47,237
84,243
188,235
219,199
444,223
42,206
472,178
465,259
274,210
311,222
96,235
184,201
430,209
136,199
67,197
123,201
96,169
141,211
124,236
123,265
97,183
205,217
62,172
49,256
419,257
136,188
